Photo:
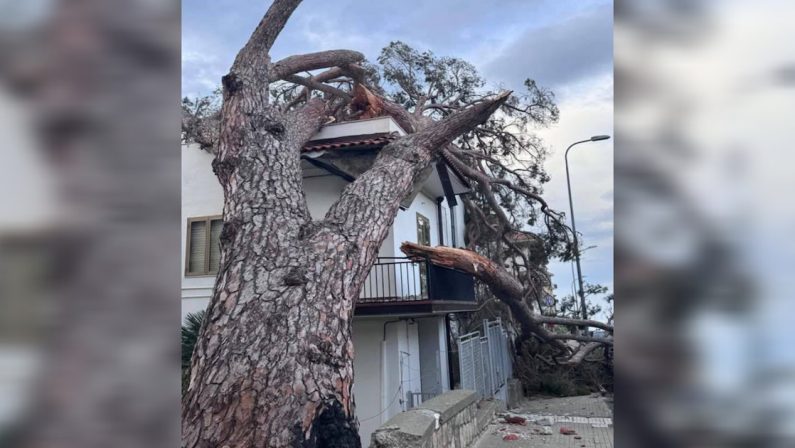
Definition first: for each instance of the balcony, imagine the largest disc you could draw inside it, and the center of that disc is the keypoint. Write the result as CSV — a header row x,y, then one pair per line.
x,y
402,286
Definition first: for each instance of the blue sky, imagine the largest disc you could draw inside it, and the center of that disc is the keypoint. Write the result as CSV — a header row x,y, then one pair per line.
x,y
564,45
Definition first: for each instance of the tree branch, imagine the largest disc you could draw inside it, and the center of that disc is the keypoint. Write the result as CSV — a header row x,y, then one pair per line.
x,y
581,338
312,84
575,322
443,132
259,44
312,61
507,288
580,355
378,191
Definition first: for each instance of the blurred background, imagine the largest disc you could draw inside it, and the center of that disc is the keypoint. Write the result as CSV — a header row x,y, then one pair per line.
x,y
705,101
89,220
89,223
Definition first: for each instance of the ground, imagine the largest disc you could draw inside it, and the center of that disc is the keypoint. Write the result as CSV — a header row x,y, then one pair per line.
x,y
590,416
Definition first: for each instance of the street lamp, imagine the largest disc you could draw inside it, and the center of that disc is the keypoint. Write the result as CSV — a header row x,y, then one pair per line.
x,y
595,138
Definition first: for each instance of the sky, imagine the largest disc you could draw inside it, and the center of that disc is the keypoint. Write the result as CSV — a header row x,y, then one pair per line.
x,y
566,46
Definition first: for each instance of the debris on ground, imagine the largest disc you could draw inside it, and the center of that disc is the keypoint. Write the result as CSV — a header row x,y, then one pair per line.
x,y
515,420
545,421
567,431
510,437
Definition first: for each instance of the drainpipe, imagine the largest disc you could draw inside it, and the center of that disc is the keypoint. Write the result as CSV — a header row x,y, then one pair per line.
x,y
384,394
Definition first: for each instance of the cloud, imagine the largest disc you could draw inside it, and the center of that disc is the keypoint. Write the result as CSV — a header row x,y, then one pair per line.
x,y
559,53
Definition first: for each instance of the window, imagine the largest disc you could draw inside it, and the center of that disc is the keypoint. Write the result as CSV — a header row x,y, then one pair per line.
x,y
424,238
204,247
423,230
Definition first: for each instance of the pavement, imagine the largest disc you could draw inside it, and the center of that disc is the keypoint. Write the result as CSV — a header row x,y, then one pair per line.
x,y
589,416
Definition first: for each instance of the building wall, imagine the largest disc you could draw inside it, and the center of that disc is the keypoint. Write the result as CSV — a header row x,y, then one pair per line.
x,y
201,196
405,227
435,375
368,371
388,364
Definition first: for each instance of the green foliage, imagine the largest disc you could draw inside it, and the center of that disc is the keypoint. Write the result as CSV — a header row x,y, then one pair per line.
x,y
190,334
570,304
505,146
412,75
540,375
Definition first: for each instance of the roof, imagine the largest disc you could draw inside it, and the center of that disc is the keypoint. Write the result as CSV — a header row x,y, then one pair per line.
x,y
365,141
374,140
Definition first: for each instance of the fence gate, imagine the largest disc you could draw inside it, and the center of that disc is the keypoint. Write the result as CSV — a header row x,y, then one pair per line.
x,y
485,361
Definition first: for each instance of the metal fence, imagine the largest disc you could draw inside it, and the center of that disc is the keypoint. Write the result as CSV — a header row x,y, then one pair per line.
x,y
395,279
485,361
399,279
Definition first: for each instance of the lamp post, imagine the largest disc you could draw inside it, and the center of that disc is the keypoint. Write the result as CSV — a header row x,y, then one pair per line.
x,y
595,138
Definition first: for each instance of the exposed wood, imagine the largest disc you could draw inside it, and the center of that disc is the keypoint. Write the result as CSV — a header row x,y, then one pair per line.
x,y
582,352
366,103
504,286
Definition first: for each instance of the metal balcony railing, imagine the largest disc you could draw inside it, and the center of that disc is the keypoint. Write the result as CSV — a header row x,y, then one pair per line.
x,y
399,279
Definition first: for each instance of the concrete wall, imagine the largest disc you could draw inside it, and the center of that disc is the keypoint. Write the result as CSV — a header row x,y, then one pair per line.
x,y
453,419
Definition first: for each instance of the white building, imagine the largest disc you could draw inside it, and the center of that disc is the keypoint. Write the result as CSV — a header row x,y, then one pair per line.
x,y
400,326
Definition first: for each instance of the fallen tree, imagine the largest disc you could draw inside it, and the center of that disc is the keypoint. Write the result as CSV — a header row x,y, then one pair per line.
x,y
273,363
512,292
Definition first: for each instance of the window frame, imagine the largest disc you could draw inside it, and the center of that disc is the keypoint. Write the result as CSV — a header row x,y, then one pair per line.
x,y
208,232
421,217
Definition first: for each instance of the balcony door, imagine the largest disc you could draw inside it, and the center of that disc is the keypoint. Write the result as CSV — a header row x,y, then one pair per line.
x,y
424,238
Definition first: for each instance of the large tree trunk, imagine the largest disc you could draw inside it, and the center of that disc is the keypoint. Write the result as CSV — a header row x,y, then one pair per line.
x,y
274,363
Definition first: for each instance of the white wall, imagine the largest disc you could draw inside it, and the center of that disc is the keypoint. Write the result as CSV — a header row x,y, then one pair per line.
x,y
359,127
405,227
443,352
367,368
202,195
321,192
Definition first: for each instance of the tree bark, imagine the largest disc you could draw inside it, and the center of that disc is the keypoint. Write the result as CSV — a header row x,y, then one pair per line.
x,y
273,364
504,286
572,322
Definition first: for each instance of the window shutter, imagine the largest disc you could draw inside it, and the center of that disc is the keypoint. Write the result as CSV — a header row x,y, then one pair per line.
x,y
198,247
215,244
